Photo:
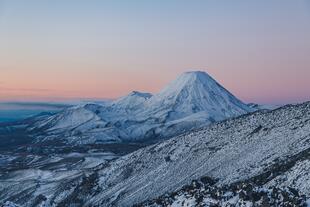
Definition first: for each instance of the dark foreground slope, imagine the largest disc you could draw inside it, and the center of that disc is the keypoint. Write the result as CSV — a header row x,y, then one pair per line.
x,y
264,150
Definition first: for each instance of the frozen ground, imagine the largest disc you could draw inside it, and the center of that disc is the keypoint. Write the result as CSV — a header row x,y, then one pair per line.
x,y
264,149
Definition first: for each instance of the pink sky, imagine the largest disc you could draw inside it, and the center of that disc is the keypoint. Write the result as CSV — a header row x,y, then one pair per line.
x,y
259,51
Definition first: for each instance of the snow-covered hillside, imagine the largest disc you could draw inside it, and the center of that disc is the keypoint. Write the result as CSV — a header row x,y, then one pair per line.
x,y
268,151
193,100
263,106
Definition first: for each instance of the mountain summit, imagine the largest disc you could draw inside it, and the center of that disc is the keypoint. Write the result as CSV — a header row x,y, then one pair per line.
x,y
132,101
193,100
194,92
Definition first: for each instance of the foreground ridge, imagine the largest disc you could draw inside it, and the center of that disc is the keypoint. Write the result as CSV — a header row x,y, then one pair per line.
x,y
204,192
268,151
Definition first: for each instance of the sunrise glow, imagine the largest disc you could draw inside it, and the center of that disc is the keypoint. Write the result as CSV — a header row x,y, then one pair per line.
x,y
58,50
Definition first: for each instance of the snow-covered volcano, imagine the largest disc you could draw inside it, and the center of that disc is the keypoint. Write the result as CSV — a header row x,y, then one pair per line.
x,y
194,92
193,100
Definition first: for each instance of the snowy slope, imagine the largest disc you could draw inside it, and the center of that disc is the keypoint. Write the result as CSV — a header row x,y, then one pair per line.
x,y
263,149
263,106
193,100
204,192
230,151
132,102
193,92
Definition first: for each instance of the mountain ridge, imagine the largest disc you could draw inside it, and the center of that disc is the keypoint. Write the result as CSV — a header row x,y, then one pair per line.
x,y
191,101
265,152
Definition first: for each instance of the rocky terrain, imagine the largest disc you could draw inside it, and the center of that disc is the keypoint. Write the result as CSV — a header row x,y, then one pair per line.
x,y
261,157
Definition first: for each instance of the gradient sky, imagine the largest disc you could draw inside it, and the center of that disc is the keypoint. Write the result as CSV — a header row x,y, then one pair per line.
x,y
67,49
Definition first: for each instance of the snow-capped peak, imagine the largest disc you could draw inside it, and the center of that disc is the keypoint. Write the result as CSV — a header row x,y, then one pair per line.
x,y
196,91
193,100
140,94
186,80
132,100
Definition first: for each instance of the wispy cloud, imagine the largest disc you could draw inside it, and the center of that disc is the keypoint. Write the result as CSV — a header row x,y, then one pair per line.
x,y
33,90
